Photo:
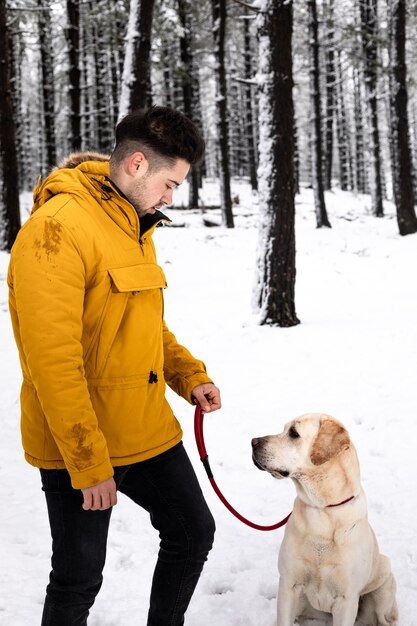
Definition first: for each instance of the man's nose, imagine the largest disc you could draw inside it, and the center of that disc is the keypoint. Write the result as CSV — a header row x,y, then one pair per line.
x,y
167,197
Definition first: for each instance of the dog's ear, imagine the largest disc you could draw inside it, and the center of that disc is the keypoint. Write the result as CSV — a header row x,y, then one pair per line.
x,y
331,439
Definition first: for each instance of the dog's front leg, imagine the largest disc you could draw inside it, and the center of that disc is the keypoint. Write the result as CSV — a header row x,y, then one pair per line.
x,y
288,603
345,610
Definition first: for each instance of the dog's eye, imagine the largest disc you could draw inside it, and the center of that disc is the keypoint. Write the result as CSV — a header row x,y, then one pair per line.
x,y
293,433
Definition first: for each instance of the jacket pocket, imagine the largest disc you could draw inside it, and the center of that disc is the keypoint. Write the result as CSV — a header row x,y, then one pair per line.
x,y
138,277
125,282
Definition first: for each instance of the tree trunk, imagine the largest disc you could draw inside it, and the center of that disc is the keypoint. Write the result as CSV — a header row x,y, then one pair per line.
x,y
317,153
16,56
88,125
219,32
250,135
237,154
360,166
296,158
343,133
103,109
403,169
136,82
117,38
47,81
9,186
330,91
166,70
189,80
369,34
73,38
274,289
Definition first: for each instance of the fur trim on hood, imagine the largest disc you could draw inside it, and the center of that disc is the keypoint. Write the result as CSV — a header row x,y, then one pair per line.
x,y
76,158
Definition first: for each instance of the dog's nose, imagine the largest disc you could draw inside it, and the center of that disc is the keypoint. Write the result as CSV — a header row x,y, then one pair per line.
x,y
255,442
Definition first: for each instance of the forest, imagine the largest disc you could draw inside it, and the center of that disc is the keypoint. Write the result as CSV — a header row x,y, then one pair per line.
x,y
319,94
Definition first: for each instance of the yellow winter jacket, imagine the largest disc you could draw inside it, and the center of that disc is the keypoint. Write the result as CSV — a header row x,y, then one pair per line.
x,y
86,302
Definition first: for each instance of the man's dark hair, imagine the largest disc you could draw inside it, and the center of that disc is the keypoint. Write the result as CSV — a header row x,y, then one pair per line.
x,y
162,134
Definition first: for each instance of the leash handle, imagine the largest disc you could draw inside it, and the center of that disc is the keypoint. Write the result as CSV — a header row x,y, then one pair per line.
x,y
199,437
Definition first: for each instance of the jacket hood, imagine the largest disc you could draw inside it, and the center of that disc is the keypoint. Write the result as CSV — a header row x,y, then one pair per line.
x,y
77,174
86,175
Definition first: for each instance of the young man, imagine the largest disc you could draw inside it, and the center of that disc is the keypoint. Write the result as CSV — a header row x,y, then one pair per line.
x,y
86,301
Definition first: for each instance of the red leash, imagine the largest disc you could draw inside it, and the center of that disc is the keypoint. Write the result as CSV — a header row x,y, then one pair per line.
x,y
199,437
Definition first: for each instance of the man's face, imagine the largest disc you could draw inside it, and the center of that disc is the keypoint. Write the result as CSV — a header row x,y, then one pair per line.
x,y
150,190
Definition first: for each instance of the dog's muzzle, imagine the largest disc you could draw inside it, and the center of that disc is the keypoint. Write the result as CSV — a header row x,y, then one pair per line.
x,y
255,443
257,447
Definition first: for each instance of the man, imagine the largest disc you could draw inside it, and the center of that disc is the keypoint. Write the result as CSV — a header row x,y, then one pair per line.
x,y
86,304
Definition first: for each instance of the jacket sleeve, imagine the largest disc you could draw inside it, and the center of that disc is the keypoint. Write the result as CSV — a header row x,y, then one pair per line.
x,y
48,276
181,370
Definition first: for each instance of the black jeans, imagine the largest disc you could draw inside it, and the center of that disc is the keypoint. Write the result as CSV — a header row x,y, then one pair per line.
x,y
167,487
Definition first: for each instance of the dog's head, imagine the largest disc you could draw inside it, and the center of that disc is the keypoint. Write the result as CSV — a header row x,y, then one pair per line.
x,y
306,442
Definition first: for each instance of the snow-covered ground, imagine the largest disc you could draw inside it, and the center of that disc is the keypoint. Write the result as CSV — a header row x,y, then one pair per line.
x,y
353,356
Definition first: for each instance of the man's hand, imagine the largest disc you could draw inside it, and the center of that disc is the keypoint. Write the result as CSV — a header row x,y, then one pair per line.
x,y
100,497
208,397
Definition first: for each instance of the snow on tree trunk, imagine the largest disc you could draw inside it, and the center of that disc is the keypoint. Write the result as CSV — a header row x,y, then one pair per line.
x,y
136,81
317,151
369,35
402,162
275,280
219,33
9,187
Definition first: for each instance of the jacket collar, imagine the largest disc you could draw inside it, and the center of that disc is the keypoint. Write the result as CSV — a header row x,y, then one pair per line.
x,y
148,222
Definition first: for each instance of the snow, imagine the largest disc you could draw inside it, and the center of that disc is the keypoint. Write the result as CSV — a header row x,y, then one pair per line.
x,y
353,356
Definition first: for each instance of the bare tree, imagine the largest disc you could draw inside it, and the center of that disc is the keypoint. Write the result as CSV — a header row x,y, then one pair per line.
x,y
9,187
274,289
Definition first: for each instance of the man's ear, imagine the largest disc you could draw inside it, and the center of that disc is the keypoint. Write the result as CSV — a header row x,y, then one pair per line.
x,y
331,439
137,161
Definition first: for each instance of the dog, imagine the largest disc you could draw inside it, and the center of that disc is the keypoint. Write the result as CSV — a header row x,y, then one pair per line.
x,y
329,563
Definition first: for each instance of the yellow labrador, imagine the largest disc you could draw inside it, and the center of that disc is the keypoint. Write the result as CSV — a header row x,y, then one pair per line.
x,y
329,563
